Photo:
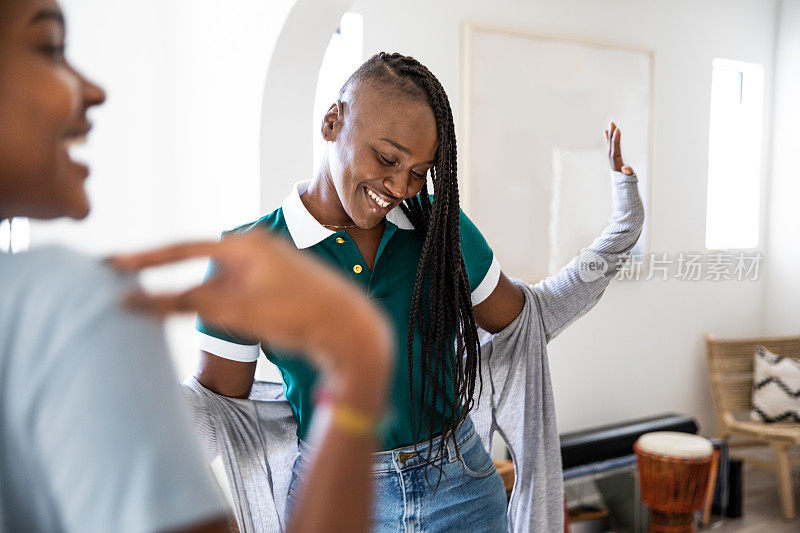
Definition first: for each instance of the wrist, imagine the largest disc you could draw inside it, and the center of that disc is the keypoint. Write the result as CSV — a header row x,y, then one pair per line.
x,y
364,375
357,361
366,391
354,396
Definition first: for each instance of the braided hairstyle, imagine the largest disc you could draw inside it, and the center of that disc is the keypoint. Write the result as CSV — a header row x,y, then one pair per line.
x,y
441,304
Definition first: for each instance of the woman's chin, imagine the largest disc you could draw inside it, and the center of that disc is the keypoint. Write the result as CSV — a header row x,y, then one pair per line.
x,y
81,212
75,208
79,207
368,222
367,215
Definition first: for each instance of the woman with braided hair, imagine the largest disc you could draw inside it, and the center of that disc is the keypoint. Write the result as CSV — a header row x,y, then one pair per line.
x,y
369,213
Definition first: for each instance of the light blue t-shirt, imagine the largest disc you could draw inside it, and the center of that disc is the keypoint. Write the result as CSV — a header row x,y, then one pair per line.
x,y
93,433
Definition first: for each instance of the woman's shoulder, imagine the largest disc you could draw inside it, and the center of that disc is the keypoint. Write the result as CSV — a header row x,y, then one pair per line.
x,y
274,222
53,283
51,265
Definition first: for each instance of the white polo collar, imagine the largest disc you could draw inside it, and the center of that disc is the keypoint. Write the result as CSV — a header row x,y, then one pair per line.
x,y
304,228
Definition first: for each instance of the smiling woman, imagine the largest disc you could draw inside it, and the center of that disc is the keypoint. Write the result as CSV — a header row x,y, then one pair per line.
x,y
50,183
70,415
369,214
374,140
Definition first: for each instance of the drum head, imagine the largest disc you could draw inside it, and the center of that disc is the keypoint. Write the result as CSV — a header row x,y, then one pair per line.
x,y
675,444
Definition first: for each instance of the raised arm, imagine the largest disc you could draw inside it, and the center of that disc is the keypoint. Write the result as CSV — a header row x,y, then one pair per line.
x,y
568,294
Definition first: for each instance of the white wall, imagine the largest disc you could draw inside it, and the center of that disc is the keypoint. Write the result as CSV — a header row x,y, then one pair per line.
x,y
782,304
640,350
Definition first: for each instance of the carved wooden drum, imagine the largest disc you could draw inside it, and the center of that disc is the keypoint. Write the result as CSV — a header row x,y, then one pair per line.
x,y
674,474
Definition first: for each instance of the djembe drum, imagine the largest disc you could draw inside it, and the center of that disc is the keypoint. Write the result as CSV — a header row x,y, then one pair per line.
x,y
673,474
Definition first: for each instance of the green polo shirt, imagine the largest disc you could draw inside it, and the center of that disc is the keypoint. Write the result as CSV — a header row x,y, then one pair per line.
x,y
390,284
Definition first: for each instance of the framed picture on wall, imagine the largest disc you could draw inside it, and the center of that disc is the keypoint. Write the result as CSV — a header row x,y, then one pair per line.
x,y
534,160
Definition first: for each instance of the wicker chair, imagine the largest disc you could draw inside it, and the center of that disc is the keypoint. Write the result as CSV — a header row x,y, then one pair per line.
x,y
730,366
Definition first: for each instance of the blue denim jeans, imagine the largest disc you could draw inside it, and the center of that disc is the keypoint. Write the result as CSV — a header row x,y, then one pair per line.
x,y
470,495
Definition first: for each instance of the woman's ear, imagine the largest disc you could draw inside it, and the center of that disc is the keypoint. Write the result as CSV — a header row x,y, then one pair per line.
x,y
332,121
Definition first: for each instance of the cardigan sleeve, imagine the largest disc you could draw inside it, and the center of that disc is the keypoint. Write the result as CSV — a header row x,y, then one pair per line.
x,y
565,296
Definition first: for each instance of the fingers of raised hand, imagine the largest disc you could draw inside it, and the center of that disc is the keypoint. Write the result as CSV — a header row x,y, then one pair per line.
x,y
611,136
160,305
204,299
162,256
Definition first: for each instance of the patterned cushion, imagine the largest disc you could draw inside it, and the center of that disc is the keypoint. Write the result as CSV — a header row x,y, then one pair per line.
x,y
776,388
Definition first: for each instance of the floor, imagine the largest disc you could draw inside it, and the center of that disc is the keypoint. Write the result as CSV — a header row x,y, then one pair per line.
x,y
762,512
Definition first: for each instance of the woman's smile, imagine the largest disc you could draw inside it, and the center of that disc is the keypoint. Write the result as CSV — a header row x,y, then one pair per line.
x,y
74,142
378,203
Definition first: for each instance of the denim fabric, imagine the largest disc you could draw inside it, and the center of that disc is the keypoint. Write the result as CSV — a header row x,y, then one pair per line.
x,y
470,495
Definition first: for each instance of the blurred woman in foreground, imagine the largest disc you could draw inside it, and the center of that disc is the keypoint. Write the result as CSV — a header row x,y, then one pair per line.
x,y
93,435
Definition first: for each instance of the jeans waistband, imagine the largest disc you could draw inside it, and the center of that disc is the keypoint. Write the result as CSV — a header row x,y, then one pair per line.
x,y
408,457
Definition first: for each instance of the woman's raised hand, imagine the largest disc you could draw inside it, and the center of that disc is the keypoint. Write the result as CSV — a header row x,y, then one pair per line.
x,y
263,288
613,137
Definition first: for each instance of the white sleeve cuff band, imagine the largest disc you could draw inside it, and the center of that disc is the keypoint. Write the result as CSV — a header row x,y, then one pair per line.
x,y
227,350
488,284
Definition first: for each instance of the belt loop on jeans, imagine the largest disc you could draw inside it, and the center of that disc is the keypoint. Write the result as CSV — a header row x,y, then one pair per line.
x,y
451,447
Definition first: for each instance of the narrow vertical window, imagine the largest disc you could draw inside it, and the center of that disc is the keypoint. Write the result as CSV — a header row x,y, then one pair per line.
x,y
734,155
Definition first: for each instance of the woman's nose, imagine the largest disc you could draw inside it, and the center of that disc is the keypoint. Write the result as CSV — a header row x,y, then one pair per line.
x,y
93,94
397,183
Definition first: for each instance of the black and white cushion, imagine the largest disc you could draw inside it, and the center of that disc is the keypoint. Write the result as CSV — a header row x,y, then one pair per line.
x,y
776,388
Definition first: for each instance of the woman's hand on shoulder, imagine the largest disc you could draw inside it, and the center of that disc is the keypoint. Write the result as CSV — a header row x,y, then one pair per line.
x,y
613,136
266,289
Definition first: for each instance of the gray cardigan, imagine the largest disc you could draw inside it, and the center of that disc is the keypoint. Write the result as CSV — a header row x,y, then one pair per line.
x,y
256,436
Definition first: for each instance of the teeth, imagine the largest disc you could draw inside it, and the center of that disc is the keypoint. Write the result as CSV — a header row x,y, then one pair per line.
x,y
75,141
378,200
75,146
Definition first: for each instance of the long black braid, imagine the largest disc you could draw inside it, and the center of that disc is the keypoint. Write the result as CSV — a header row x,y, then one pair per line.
x,y
441,305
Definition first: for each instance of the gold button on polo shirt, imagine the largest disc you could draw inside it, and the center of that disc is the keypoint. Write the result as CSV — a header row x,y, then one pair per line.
x,y
339,240
357,269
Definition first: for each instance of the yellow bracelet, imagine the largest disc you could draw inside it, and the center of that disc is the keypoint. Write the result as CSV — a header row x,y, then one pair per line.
x,y
353,421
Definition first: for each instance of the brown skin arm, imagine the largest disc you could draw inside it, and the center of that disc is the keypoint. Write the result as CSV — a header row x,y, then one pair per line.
x,y
339,496
334,502
233,379
501,307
